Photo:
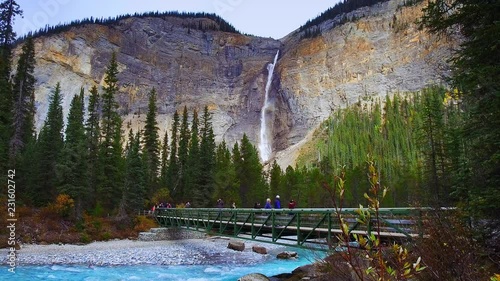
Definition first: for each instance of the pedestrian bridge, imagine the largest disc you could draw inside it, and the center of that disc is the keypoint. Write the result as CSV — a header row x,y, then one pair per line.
x,y
299,227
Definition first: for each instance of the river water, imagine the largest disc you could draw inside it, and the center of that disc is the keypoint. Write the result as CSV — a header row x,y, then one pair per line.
x,y
219,272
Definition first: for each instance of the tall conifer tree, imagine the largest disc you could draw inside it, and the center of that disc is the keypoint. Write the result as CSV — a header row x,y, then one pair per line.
x,y
173,166
93,135
134,190
24,100
193,168
111,161
184,137
249,170
275,182
207,155
164,160
9,9
71,168
226,184
151,148
476,75
50,144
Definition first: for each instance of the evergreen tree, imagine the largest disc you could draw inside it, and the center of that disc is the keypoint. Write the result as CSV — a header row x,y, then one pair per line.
x,y
110,152
27,164
193,168
432,142
24,100
164,160
151,148
237,162
249,171
184,137
50,144
290,180
9,9
207,155
134,190
173,166
476,74
93,135
71,167
275,182
226,184
23,139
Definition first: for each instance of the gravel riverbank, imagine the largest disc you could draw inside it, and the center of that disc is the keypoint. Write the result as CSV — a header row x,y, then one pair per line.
x,y
131,252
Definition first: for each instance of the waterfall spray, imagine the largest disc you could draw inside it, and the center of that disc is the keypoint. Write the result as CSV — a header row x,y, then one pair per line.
x,y
265,145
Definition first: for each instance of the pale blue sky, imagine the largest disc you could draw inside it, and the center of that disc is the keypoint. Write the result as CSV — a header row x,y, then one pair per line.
x,y
271,18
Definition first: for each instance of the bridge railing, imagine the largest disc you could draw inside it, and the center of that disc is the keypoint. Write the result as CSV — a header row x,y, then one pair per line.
x,y
303,224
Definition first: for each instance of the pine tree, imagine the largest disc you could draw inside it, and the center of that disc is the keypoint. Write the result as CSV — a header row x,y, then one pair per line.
x,y
9,9
476,75
226,184
164,160
193,168
173,166
71,167
110,152
50,144
93,135
275,180
151,148
207,155
24,100
237,161
249,171
134,190
184,137
432,142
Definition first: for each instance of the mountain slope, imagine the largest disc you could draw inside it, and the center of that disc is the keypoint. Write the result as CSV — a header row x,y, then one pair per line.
x,y
378,52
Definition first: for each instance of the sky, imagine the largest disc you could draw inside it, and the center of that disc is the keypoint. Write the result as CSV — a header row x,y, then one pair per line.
x,y
266,18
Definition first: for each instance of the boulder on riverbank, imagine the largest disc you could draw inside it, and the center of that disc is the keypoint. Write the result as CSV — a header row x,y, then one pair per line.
x,y
236,245
259,250
254,277
287,255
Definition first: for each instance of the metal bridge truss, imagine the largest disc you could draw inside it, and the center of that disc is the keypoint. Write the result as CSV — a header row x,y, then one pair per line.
x,y
299,227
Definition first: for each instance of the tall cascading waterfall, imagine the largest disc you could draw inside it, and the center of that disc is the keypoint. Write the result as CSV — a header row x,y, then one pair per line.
x,y
266,137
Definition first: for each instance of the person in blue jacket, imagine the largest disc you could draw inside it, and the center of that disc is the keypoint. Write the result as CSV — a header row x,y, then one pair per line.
x,y
277,202
268,204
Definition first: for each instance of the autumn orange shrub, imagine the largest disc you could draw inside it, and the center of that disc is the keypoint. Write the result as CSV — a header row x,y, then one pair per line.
x,y
144,223
64,205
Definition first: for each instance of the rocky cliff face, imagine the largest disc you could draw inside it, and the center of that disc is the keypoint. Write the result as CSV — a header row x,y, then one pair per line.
x,y
187,67
380,52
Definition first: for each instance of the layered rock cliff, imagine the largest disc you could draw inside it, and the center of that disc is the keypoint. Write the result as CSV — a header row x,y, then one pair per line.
x,y
379,52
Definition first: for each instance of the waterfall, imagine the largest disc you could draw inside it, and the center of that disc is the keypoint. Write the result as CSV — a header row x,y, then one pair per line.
x,y
265,144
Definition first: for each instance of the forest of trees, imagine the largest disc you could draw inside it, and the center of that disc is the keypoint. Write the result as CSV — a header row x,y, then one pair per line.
x,y
412,138
435,147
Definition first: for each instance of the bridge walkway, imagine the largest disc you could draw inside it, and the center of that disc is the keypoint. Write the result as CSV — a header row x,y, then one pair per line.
x,y
298,227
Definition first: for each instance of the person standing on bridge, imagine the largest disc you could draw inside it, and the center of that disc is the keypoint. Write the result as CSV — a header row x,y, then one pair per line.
x,y
268,204
220,204
277,202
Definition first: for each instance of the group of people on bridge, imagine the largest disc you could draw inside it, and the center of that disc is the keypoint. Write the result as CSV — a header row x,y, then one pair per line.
x,y
276,204
220,204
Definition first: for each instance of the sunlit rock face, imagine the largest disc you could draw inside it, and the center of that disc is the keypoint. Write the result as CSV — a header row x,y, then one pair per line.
x,y
187,67
380,52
